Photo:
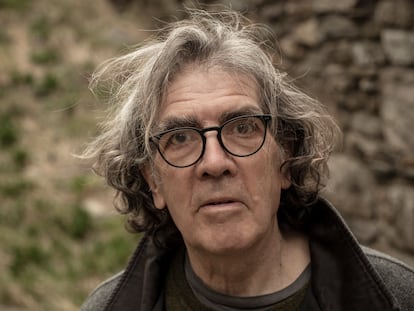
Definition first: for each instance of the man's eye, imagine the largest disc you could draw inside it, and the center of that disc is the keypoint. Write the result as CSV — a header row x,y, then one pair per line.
x,y
179,138
245,127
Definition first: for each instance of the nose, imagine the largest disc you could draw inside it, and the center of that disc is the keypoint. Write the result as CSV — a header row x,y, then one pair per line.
x,y
215,161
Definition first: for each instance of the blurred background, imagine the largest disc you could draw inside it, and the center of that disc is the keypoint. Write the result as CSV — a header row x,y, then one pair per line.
x,y
59,234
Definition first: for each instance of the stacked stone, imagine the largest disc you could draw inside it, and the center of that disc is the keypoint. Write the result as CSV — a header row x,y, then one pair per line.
x,y
357,57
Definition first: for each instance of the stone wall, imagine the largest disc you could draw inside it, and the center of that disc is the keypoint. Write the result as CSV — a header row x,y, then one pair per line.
x,y
357,57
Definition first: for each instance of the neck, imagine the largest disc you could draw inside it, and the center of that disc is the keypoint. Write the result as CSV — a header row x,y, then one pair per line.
x,y
263,269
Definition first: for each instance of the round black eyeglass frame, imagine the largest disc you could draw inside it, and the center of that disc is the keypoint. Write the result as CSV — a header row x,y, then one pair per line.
x,y
265,118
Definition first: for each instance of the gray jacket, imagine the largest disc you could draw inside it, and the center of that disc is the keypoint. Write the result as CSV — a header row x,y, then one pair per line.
x,y
345,276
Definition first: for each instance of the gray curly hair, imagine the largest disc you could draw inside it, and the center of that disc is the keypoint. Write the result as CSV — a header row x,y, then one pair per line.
x,y
137,82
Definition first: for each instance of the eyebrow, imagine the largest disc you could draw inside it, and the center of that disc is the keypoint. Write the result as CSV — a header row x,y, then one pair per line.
x,y
239,113
191,121
176,122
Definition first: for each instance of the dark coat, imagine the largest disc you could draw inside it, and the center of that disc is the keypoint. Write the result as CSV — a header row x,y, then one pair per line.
x,y
345,276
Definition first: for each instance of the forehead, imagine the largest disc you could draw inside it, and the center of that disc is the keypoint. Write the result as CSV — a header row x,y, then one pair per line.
x,y
207,94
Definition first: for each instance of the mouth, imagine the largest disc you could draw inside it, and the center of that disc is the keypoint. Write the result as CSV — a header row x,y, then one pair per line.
x,y
219,202
221,211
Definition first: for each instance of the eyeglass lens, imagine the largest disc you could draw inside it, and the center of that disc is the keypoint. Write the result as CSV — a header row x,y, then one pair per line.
x,y
241,136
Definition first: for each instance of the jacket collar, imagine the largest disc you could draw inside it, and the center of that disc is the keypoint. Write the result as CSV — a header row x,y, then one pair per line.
x,y
342,276
140,287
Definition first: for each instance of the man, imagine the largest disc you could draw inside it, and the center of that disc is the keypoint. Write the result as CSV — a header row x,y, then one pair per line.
x,y
219,160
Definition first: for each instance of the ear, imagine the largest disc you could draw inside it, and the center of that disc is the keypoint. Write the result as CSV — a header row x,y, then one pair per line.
x,y
154,185
284,169
285,182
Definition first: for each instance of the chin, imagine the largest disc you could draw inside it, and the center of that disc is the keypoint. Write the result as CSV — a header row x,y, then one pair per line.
x,y
228,244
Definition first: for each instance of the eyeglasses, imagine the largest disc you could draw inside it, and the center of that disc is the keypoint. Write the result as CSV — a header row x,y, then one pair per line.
x,y
241,137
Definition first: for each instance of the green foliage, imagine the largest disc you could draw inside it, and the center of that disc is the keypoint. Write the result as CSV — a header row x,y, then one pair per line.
x,y
18,5
41,28
26,256
4,38
20,158
47,86
78,184
80,223
60,245
12,215
45,57
115,250
49,240
15,188
19,78
8,132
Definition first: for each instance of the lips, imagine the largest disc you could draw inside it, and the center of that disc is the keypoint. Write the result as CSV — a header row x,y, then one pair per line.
x,y
218,201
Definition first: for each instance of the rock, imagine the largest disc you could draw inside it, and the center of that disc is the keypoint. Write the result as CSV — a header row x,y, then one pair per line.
x,y
237,5
338,52
300,8
291,48
362,146
334,27
397,75
369,30
312,64
401,197
366,231
351,102
350,186
337,78
368,86
307,33
367,54
367,124
383,164
363,71
324,6
397,109
398,46
405,166
394,13
272,11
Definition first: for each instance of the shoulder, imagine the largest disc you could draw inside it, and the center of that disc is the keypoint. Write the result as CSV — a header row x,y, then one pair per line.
x,y
397,276
98,298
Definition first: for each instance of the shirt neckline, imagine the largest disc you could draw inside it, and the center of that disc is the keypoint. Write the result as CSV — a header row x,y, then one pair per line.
x,y
212,298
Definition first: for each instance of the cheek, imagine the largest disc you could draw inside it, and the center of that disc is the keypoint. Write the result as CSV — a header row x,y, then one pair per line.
x,y
275,158
268,177
271,161
175,187
161,184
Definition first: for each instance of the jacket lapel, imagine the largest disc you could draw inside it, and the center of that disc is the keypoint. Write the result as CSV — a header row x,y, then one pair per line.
x,y
342,276
141,283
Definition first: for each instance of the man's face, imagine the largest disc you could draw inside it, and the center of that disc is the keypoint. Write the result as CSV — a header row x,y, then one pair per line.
x,y
222,204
